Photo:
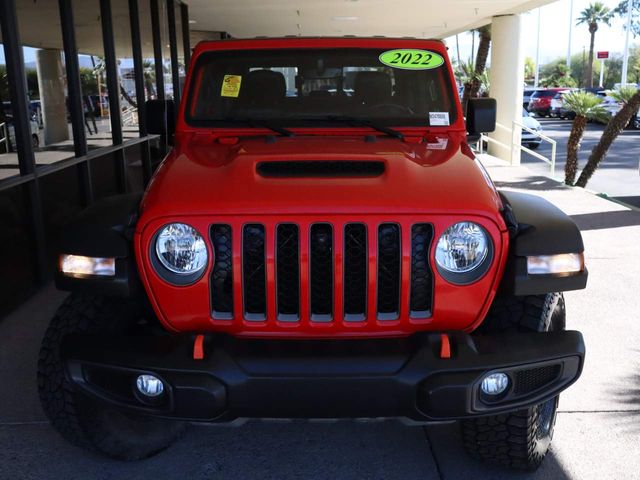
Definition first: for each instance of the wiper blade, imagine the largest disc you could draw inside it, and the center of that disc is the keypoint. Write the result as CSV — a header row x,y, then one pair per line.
x,y
253,122
365,123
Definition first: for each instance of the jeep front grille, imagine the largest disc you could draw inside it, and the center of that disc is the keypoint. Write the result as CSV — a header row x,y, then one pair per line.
x,y
355,272
254,277
288,271
222,273
322,273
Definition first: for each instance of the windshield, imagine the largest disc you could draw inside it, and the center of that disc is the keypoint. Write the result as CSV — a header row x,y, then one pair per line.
x,y
305,87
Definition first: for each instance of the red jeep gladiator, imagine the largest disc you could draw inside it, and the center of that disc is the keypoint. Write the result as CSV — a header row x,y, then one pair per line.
x,y
320,242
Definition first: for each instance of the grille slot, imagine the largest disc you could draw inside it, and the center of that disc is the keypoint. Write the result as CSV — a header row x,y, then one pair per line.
x,y
355,272
321,272
421,296
222,273
532,379
288,272
389,271
320,169
254,272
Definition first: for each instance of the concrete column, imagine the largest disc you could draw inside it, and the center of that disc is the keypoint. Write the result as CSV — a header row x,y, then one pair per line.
x,y
507,82
52,97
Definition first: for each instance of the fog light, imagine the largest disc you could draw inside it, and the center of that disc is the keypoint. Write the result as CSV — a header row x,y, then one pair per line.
x,y
562,264
79,266
149,385
495,383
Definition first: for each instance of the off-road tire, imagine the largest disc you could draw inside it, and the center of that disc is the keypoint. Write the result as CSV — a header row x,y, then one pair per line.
x,y
80,420
519,439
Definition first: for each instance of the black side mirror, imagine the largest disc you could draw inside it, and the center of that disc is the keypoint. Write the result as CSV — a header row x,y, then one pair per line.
x,y
161,118
481,116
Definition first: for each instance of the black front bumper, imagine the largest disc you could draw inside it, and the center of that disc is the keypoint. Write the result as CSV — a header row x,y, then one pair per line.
x,y
325,379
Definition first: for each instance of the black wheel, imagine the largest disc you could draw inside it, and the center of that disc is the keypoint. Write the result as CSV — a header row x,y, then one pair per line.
x,y
35,141
533,146
522,438
79,419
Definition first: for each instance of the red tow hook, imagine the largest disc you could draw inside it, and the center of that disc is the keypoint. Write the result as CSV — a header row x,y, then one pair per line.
x,y
198,347
445,346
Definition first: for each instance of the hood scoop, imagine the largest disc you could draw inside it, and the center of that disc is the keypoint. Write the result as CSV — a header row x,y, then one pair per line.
x,y
321,169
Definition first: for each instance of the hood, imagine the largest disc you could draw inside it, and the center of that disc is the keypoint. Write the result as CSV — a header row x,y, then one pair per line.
x,y
530,122
204,177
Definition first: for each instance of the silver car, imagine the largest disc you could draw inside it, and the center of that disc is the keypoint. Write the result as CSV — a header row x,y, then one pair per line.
x,y
529,139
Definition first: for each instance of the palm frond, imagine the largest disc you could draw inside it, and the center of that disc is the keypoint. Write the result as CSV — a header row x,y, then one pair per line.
x,y
586,104
623,94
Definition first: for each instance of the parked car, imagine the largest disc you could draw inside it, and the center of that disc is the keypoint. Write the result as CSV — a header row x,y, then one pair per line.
x,y
557,105
529,139
315,256
35,133
540,102
526,97
611,105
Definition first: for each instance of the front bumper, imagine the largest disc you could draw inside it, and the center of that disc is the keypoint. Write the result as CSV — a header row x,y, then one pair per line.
x,y
324,379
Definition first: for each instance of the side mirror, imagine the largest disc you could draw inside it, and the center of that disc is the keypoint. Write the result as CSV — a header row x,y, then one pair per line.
x,y
481,116
161,119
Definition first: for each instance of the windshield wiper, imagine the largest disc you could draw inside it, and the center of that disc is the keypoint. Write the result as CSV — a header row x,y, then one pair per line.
x,y
364,123
253,122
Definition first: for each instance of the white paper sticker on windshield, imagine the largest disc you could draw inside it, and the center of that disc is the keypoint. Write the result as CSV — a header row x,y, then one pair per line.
x,y
439,119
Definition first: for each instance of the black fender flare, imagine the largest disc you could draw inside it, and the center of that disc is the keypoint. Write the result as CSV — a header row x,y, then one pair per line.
x,y
104,229
537,227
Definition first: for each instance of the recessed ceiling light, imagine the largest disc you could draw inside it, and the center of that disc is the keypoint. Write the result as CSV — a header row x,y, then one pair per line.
x,y
344,18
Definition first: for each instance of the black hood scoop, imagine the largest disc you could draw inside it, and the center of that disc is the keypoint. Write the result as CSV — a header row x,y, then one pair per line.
x,y
321,169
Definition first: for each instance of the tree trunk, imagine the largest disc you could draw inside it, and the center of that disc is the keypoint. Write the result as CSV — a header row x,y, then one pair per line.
x,y
573,147
589,70
128,98
611,131
472,86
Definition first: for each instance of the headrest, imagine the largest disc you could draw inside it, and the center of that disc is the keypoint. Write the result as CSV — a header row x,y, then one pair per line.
x,y
263,88
372,87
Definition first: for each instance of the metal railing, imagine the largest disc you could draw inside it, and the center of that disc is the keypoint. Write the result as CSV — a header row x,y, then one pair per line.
x,y
516,144
130,117
5,135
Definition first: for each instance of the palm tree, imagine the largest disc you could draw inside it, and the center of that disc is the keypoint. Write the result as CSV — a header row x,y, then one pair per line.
x,y
592,16
472,85
630,98
149,72
586,106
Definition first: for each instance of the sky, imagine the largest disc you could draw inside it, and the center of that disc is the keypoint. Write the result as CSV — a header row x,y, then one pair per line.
x,y
554,32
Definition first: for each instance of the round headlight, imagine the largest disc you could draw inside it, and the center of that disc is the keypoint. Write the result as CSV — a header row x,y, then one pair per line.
x,y
462,247
181,249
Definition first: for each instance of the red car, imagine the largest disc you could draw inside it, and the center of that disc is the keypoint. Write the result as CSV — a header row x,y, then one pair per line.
x,y
540,102
321,242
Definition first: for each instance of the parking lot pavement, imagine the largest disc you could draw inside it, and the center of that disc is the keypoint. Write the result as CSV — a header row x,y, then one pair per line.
x,y
598,428
618,175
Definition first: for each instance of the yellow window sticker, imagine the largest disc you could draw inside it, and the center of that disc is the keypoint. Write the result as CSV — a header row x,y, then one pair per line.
x,y
231,86
411,59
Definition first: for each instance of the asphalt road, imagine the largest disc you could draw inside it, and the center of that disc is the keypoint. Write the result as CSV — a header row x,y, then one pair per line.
x,y
618,175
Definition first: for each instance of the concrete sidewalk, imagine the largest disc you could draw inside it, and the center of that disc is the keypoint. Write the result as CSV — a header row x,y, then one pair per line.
x,y
597,433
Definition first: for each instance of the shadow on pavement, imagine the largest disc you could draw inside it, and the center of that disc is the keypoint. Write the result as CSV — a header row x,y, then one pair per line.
x,y
635,201
629,395
533,182
602,220
453,462
257,450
